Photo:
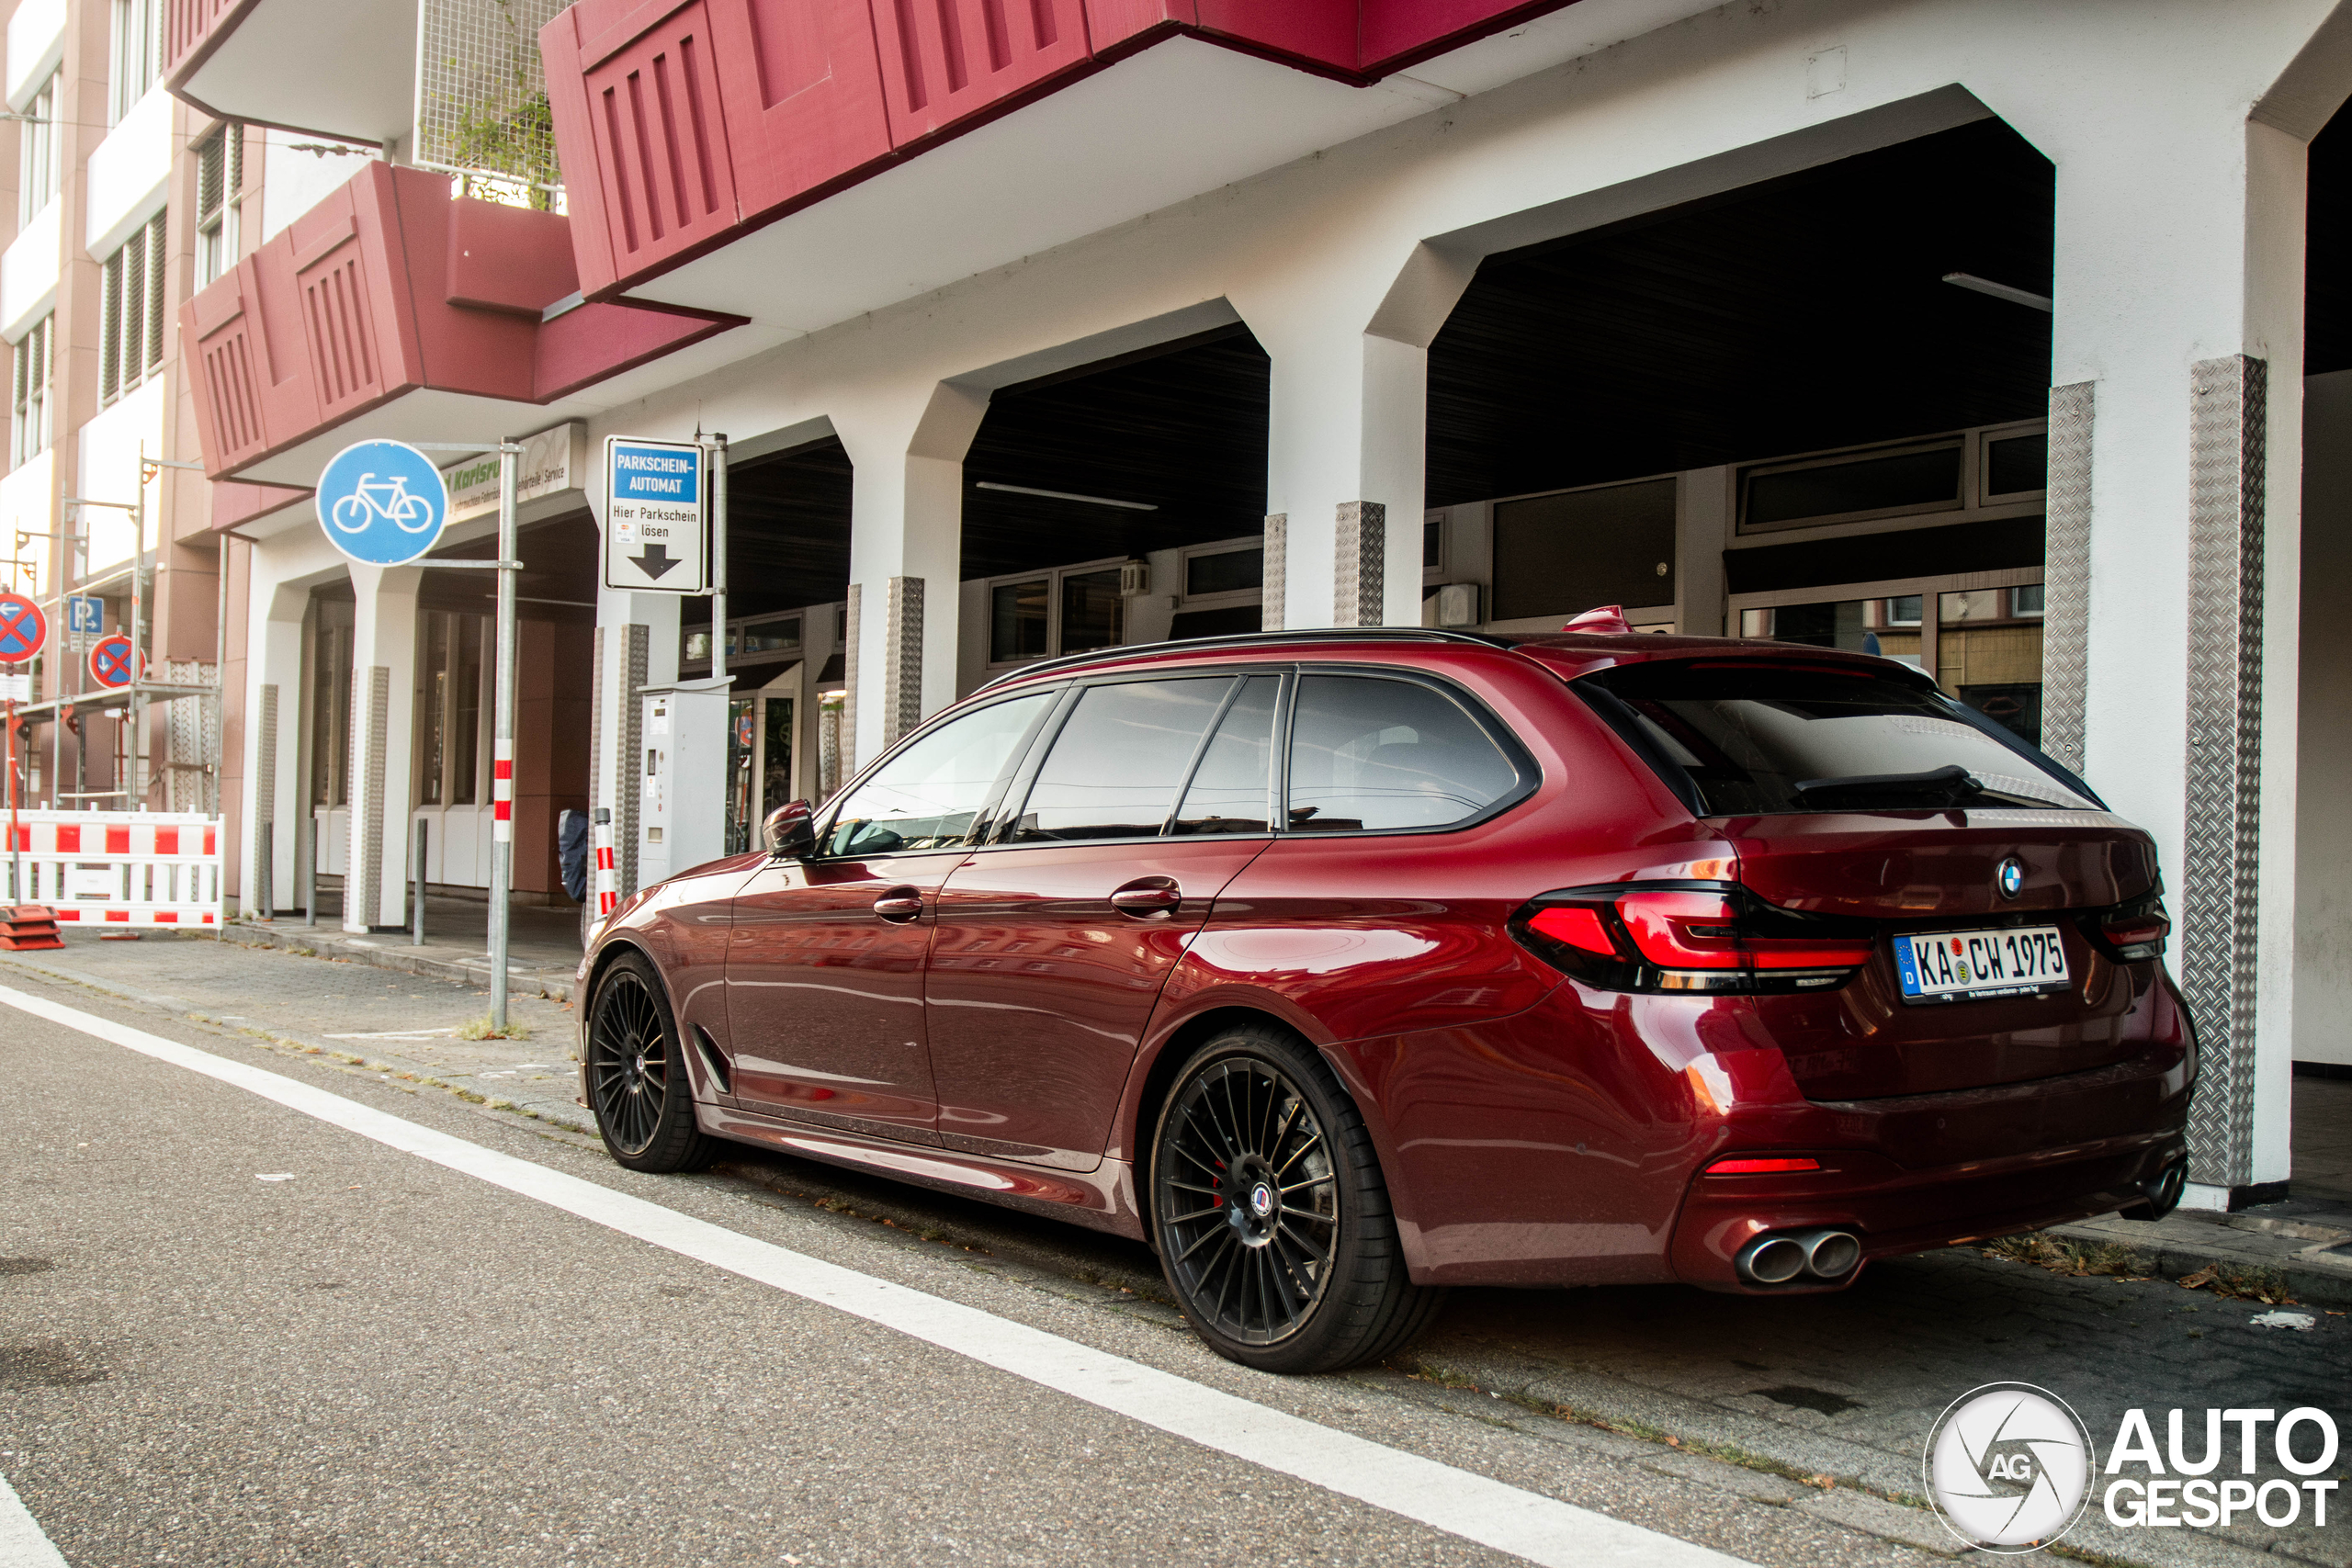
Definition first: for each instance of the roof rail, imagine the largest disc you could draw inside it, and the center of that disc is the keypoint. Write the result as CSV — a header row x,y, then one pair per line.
x,y
1249,639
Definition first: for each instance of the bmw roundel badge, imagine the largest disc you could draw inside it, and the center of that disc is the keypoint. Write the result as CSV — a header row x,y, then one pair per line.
x,y
2010,877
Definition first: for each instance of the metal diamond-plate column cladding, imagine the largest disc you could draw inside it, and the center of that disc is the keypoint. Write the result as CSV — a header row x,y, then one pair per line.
x,y
368,902
1277,570
631,773
2219,935
902,658
482,95
2066,574
851,626
1360,586
261,893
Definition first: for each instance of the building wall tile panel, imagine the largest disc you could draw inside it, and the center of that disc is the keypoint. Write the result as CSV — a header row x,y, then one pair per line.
x,y
943,60
802,87
661,163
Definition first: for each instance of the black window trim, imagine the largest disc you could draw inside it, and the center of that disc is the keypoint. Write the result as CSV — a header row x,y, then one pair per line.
x,y
981,819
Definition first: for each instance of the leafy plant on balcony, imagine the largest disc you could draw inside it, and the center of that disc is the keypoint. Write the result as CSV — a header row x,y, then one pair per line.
x,y
501,140
519,145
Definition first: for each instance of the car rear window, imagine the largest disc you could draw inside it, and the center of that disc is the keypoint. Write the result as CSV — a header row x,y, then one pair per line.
x,y
1749,738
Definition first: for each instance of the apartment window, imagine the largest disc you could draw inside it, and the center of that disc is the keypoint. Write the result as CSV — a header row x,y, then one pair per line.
x,y
28,409
131,314
138,54
220,179
37,166
1072,610
449,755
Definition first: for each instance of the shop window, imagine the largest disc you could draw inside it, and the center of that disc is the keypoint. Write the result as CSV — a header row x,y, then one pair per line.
x,y
1224,571
1847,490
130,313
754,637
1072,610
330,652
1564,554
29,427
219,182
2017,465
449,712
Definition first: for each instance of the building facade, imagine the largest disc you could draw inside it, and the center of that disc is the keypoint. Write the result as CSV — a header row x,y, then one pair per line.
x,y
2004,339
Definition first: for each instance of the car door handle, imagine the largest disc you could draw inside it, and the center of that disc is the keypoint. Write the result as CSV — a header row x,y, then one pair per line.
x,y
899,904
1147,897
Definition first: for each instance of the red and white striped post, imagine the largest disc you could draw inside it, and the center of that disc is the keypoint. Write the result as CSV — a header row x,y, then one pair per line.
x,y
607,887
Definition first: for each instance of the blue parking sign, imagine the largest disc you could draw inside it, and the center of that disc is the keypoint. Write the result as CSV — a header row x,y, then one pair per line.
x,y
86,615
382,502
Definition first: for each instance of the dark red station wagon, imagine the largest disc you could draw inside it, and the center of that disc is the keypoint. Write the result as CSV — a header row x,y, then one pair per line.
x,y
1343,967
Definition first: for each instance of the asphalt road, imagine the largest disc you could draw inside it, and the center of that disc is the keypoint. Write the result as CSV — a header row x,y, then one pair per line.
x,y
379,1358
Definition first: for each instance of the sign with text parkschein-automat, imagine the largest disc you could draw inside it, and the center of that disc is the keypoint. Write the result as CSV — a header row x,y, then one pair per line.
x,y
656,530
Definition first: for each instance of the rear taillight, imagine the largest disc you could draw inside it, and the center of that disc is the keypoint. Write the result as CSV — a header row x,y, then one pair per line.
x,y
1691,937
2132,932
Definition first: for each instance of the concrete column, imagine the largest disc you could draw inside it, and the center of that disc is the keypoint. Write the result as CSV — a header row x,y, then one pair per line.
x,y
2176,420
1347,437
905,560
383,734
637,646
282,572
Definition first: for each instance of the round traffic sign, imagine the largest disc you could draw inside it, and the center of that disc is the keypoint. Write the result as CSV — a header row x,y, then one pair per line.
x,y
382,502
23,629
110,660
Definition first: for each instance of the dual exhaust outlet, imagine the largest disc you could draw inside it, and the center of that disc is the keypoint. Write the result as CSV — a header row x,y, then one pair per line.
x,y
1780,1259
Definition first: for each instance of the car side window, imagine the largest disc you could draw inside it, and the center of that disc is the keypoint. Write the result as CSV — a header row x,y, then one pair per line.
x,y
1227,794
1368,754
1121,757
929,794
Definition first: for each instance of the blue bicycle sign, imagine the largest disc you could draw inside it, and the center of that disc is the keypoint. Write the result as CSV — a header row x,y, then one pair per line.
x,y
382,502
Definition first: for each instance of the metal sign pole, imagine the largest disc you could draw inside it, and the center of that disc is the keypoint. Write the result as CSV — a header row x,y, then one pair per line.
x,y
501,787
15,851
718,560
137,782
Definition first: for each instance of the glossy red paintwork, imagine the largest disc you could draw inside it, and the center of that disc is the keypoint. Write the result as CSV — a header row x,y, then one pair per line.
x,y
1039,990
1532,1129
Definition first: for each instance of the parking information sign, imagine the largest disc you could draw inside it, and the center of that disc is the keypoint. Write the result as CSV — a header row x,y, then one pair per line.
x,y
656,526
86,619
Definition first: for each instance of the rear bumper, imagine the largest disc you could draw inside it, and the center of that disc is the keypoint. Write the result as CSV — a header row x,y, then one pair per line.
x,y
1893,1209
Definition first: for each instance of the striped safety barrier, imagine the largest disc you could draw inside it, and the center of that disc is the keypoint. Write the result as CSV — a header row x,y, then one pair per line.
x,y
128,868
607,877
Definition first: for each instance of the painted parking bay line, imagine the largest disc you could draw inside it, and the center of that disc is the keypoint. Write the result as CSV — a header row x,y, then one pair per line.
x,y
23,1543
1459,1502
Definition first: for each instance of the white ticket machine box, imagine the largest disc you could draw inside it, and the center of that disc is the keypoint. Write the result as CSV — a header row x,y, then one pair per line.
x,y
682,782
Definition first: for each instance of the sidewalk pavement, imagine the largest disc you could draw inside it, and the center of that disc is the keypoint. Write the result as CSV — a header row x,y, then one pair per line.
x,y
542,944
404,1027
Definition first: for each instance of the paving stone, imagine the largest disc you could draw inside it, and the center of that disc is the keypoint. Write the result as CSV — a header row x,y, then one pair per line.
x,y
1912,1527
1754,1484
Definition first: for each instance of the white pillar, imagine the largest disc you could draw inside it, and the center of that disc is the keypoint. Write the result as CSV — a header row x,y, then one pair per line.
x,y
281,573
2172,556
383,728
1347,431
906,557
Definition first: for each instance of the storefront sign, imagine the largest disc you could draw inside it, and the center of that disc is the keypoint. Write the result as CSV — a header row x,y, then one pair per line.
x,y
551,462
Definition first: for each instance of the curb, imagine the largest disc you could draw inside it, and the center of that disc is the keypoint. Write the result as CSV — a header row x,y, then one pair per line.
x,y
2180,1243
555,984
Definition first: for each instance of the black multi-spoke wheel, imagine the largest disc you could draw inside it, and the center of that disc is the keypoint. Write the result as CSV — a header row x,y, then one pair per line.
x,y
637,1085
1271,1217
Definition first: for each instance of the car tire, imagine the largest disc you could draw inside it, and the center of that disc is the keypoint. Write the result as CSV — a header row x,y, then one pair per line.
x,y
637,1083
1269,1213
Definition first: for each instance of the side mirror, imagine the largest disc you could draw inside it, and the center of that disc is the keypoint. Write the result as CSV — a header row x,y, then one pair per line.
x,y
790,830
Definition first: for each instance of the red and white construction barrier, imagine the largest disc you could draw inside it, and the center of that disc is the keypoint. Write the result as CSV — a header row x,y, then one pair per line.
x,y
132,868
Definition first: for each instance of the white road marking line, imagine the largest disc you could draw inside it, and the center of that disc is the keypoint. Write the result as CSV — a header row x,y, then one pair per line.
x,y
23,1543
1459,1502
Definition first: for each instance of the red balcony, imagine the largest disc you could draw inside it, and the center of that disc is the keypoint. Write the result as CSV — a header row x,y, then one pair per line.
x,y
685,126
427,316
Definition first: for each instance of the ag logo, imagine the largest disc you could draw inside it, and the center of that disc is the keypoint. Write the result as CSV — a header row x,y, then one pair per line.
x,y
2008,1467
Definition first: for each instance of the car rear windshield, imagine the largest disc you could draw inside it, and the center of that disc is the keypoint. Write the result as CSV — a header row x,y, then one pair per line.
x,y
1747,737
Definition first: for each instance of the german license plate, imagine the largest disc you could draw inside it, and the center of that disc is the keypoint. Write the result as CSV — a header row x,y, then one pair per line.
x,y
1958,966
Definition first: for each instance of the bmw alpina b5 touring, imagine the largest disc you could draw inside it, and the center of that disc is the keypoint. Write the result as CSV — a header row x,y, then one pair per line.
x,y
1341,967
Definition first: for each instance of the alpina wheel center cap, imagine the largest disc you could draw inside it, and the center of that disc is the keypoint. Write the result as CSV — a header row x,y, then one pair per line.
x,y
1261,1199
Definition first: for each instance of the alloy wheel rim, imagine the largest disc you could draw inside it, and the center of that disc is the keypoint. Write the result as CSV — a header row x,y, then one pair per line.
x,y
628,1065
1247,1201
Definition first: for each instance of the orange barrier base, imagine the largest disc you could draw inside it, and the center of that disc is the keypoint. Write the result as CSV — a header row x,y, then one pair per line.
x,y
25,927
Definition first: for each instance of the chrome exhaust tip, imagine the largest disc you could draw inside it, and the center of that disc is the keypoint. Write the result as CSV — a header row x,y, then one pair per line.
x,y
2161,1196
1832,1254
1770,1261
